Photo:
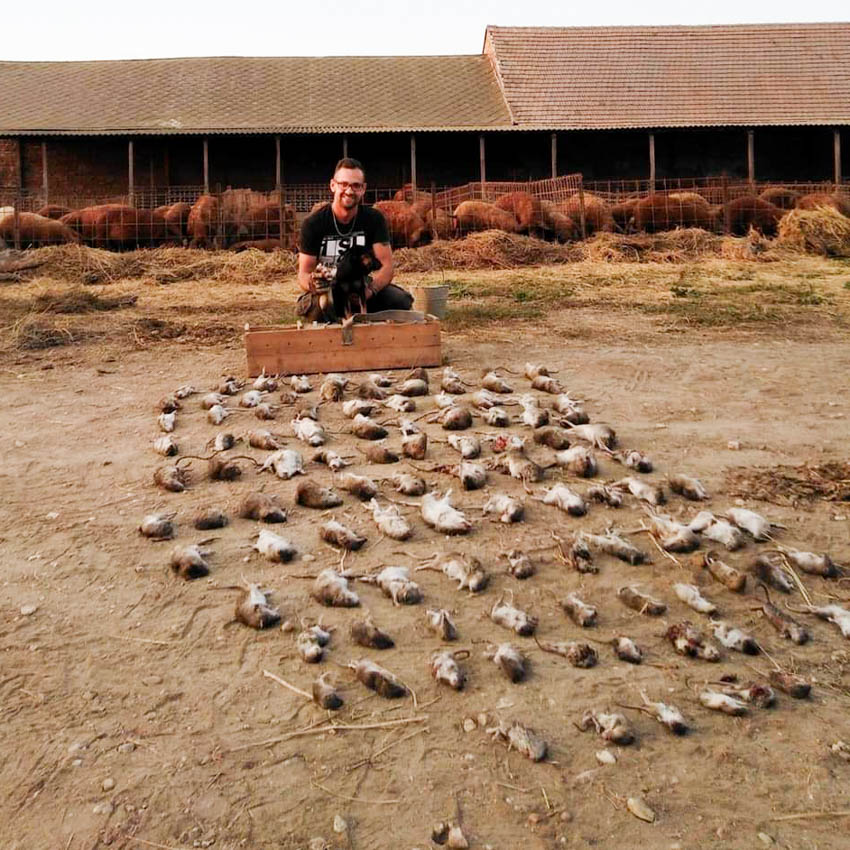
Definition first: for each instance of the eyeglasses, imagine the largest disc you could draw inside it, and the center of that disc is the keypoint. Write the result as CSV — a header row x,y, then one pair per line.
x,y
355,187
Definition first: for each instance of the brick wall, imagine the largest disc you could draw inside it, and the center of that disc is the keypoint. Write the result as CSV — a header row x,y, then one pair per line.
x,y
9,175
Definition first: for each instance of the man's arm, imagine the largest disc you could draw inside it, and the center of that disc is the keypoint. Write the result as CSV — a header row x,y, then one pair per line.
x,y
306,266
383,275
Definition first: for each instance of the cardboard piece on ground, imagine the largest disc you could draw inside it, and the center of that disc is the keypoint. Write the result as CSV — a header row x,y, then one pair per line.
x,y
289,350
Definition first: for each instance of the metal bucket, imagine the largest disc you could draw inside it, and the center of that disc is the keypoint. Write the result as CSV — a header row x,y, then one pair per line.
x,y
430,300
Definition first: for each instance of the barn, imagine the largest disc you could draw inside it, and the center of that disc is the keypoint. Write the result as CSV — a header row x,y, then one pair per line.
x,y
751,102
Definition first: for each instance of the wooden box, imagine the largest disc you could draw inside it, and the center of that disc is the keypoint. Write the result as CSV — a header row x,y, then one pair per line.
x,y
289,350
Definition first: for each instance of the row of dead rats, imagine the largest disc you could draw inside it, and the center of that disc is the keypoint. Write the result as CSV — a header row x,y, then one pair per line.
x,y
555,439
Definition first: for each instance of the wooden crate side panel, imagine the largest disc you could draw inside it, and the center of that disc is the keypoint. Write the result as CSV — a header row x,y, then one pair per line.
x,y
289,351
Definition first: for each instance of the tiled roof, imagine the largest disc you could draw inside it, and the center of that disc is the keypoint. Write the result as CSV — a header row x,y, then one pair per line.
x,y
251,95
622,77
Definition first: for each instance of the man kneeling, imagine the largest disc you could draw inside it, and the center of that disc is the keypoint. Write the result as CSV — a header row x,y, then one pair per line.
x,y
328,278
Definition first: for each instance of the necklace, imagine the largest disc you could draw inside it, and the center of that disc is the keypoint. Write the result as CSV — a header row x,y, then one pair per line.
x,y
350,229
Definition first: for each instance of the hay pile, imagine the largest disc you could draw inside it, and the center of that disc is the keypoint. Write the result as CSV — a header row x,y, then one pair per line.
x,y
788,485
80,264
821,231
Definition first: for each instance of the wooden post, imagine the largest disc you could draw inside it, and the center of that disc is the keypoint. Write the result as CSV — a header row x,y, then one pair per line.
x,y
836,150
206,167
277,172
413,166
751,156
16,223
652,162
554,155
130,176
482,163
344,147
44,171
20,164
582,216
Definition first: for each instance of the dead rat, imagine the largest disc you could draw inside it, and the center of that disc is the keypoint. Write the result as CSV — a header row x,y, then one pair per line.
x,y
311,643
454,418
613,544
209,518
414,445
626,649
331,589
734,638
666,715
579,612
786,625
312,495
652,494
389,521
472,476
672,536
468,446
611,727
395,583
229,385
262,439
325,695
222,442
789,683
546,384
265,383
171,478
253,609
358,485
718,530
809,562
572,412
445,669
378,679
509,660
251,399
401,403
632,598
467,572
562,497
451,382
286,463
439,514
734,579
688,641
581,655
380,380
413,387
308,431
300,384
184,391
834,614
496,417
190,561
366,633
357,406
338,535
520,738
380,453
491,382
165,446
599,435
605,495
332,388
419,373
444,400
690,595
167,422
369,389
515,463
533,415
578,460
532,370
217,414
633,459
408,484
367,428
520,565
690,488
769,568
440,622
262,507
754,524
575,554
157,526
552,436
212,400
331,459
515,619
724,703
275,547
507,507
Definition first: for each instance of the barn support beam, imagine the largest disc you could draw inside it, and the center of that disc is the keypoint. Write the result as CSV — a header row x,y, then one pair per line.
x,y
413,165
44,186
554,155
206,166
131,179
751,156
652,162
344,147
836,153
482,160
277,171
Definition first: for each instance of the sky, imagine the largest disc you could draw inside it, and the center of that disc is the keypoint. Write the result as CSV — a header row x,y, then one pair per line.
x,y
112,29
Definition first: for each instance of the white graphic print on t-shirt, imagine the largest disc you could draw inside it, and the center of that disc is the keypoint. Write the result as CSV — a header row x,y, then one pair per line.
x,y
333,247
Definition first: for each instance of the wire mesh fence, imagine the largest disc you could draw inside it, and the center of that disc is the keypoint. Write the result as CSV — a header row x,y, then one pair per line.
x,y
562,209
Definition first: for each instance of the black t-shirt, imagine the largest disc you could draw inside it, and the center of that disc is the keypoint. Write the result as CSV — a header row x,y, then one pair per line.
x,y
324,237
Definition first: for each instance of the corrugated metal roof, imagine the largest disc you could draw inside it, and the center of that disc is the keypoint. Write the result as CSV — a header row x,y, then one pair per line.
x,y
251,95
642,77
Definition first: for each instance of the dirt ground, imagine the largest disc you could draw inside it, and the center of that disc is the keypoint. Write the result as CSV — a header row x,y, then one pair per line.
x,y
135,712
